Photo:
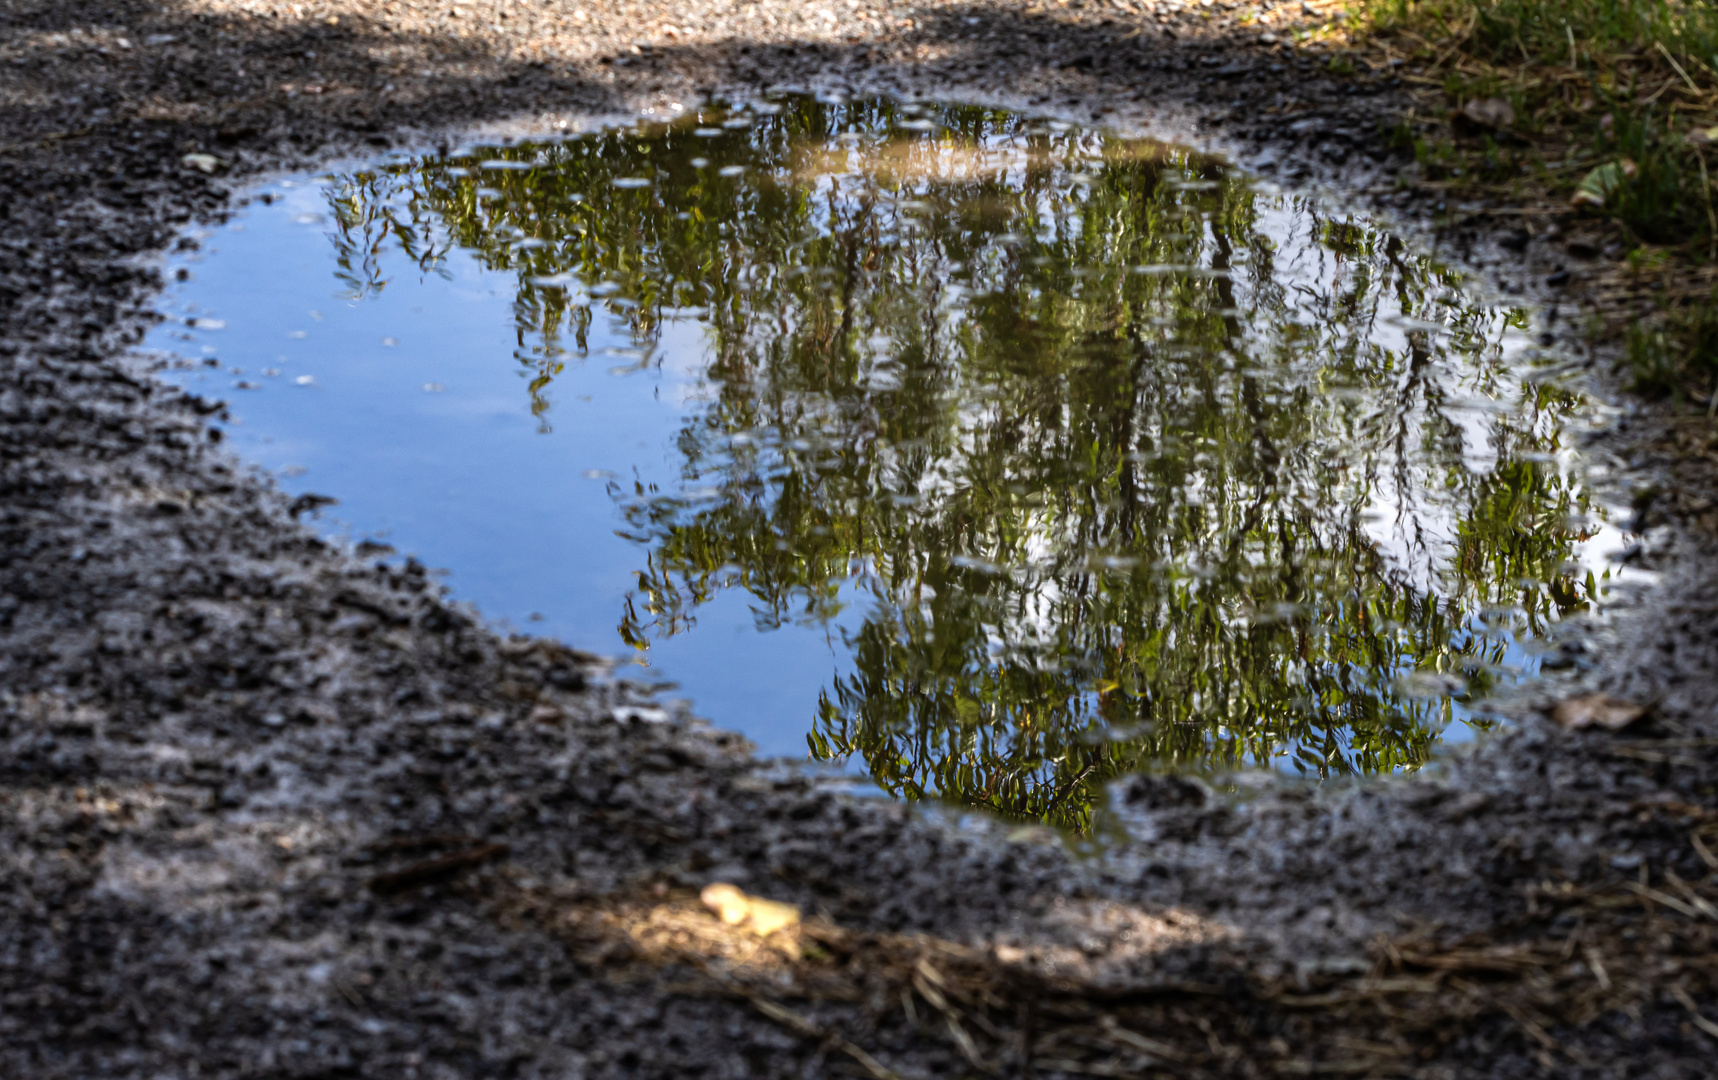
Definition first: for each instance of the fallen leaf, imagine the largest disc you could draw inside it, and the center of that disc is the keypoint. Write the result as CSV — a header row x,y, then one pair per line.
x,y
1599,186
547,713
762,917
1489,112
1596,710
1702,136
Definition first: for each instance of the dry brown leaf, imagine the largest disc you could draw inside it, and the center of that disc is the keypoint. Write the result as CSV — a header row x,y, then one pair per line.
x,y
1489,112
1598,710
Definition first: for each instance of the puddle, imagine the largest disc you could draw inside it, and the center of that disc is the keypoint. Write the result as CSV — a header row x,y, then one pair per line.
x,y
991,456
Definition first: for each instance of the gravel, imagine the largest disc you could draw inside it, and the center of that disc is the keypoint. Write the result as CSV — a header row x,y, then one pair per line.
x,y
221,734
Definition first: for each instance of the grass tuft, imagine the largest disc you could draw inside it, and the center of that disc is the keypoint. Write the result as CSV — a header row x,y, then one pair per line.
x,y
1668,354
1616,116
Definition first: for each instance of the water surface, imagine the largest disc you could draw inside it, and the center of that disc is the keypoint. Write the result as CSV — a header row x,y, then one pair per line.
x,y
992,456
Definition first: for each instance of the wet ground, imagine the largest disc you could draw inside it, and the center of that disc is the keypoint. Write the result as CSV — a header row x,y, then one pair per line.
x,y
272,810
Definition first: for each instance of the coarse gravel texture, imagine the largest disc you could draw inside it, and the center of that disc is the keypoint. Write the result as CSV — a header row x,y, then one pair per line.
x,y
219,730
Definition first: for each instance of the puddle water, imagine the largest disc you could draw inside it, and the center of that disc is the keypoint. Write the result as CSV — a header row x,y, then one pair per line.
x,y
990,456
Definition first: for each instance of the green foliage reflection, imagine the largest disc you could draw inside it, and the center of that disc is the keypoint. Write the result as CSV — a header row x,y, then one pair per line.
x,y
1129,465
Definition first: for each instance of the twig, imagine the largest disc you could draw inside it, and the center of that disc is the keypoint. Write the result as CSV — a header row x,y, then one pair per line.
x,y
434,870
789,1018
1667,85
1677,66
968,1048
1597,967
1529,1025
1700,1022
1664,898
1700,902
1150,1047
52,137
1703,851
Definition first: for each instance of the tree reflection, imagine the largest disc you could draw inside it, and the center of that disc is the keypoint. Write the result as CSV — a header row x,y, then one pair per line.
x,y
1133,466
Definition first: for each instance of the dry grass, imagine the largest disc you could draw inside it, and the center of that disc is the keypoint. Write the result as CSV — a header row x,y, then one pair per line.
x,y
874,998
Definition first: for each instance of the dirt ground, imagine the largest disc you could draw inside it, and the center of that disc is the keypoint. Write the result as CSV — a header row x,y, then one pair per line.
x,y
266,810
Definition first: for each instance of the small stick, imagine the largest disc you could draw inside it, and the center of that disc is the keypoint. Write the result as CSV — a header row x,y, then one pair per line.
x,y
1687,1002
51,137
1705,907
1678,68
1667,85
1703,851
433,870
789,1018
1666,899
1597,967
1529,1025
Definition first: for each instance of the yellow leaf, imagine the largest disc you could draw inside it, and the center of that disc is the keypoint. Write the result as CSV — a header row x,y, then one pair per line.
x,y
762,917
